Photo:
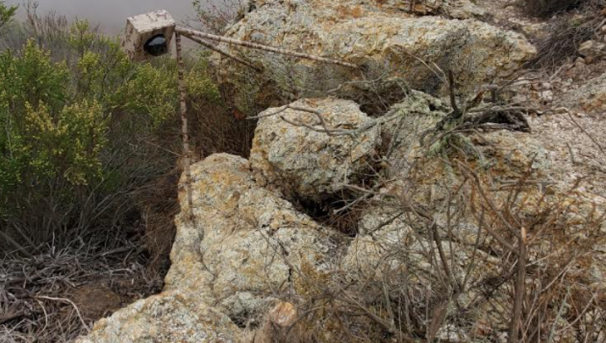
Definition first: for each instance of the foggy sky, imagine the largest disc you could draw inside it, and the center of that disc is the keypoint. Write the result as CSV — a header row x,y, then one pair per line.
x,y
112,14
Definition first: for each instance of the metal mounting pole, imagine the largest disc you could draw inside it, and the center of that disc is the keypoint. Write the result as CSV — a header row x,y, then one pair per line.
x,y
184,130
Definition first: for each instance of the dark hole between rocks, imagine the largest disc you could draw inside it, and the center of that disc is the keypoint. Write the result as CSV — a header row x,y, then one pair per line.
x,y
324,212
243,321
512,120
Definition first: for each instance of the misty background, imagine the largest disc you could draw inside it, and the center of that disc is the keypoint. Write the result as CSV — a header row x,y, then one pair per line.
x,y
110,14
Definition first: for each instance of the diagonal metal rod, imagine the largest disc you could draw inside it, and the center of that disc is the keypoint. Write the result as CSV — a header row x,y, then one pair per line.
x,y
192,33
222,52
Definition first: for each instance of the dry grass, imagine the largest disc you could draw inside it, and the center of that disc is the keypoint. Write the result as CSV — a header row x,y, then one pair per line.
x,y
567,34
55,297
547,8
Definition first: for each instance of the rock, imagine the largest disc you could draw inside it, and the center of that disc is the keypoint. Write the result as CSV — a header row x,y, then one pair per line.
x,y
546,96
278,324
451,333
245,246
254,242
463,9
311,164
367,256
389,45
460,9
592,49
580,62
591,97
95,301
508,152
167,317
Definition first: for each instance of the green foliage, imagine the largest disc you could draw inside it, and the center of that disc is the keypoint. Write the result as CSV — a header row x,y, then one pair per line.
x,y
81,38
6,13
66,144
151,93
31,78
27,82
73,129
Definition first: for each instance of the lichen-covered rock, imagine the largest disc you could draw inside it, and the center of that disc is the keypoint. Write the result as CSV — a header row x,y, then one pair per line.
x,y
300,159
589,98
502,152
254,241
391,243
245,248
385,41
168,317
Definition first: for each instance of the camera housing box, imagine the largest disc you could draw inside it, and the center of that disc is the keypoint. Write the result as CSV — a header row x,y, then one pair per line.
x,y
142,28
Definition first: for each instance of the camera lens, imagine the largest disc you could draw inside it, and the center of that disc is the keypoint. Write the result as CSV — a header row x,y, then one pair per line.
x,y
156,46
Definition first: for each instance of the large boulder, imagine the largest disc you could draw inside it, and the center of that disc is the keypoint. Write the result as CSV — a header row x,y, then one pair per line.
x,y
387,43
246,246
293,152
506,153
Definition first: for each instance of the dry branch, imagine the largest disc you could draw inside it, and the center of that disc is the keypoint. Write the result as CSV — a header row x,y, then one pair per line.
x,y
192,33
224,53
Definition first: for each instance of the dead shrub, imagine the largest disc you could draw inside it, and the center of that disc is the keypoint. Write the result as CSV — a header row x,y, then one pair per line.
x,y
567,34
547,8
520,275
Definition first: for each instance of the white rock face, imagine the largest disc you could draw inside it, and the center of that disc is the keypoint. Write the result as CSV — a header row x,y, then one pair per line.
x,y
386,42
167,317
303,160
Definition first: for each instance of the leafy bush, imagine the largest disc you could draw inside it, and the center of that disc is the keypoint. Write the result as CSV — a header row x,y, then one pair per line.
x,y
84,128
6,13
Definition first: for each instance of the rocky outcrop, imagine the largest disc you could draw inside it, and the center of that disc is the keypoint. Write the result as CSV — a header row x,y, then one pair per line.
x,y
245,248
241,264
310,148
429,233
590,98
386,43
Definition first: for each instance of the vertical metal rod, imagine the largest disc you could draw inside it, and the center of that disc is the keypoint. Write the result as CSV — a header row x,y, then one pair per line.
x,y
184,129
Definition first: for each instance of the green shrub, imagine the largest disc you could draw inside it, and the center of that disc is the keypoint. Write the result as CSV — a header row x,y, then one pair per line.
x,y
84,127
6,13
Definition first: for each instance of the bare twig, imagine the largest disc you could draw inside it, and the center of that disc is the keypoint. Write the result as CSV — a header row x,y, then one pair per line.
x,y
587,134
519,296
69,302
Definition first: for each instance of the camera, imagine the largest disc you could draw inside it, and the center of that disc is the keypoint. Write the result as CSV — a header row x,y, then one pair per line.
x,y
148,35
